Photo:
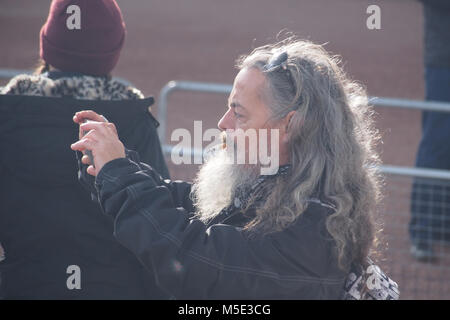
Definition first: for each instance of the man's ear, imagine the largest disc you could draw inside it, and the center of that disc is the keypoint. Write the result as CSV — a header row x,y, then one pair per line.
x,y
287,120
284,125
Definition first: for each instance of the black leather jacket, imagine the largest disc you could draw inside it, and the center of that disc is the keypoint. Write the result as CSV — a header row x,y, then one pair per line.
x,y
154,219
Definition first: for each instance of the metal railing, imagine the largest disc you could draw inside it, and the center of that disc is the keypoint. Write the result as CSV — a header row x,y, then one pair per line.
x,y
173,86
220,88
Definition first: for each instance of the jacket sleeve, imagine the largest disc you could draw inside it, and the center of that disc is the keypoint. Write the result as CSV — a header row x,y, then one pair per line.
x,y
180,191
193,261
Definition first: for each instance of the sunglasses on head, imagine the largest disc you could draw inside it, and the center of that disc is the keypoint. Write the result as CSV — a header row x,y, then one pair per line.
x,y
279,63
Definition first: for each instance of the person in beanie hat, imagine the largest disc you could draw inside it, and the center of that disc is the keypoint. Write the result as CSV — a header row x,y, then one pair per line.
x,y
92,46
57,243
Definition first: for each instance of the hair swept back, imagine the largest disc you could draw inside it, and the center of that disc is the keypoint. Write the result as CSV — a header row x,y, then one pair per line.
x,y
332,144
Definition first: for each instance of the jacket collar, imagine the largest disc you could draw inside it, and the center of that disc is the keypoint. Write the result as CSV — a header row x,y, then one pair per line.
x,y
232,214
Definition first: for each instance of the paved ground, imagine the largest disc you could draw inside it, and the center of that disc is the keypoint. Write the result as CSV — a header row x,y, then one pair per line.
x,y
199,40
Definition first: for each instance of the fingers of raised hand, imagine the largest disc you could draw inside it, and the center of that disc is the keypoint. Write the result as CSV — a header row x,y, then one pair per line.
x,y
85,160
111,127
91,170
80,116
83,144
103,129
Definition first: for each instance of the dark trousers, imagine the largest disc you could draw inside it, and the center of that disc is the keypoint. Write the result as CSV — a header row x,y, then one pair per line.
x,y
430,198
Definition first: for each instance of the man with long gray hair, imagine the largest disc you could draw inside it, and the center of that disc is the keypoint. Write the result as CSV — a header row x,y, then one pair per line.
x,y
298,233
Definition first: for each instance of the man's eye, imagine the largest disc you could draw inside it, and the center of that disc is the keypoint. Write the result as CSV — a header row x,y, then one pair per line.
x,y
237,115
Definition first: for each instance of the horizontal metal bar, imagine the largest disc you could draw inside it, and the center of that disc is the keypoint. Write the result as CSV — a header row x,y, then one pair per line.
x,y
167,149
415,172
11,73
201,86
384,169
410,104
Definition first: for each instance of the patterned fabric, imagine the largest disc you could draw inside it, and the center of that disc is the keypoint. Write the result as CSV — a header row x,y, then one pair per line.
x,y
370,284
77,87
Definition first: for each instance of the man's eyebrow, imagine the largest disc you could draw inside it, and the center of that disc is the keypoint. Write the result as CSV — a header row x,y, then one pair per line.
x,y
236,105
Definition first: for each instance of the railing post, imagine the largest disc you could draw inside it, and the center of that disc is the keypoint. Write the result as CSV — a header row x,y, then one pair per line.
x,y
182,86
162,110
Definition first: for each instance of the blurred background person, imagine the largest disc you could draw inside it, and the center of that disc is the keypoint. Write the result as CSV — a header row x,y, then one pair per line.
x,y
430,205
47,220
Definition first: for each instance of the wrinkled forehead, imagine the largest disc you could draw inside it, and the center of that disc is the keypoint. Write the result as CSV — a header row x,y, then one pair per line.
x,y
248,87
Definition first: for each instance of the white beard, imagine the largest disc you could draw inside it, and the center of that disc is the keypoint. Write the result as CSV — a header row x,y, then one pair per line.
x,y
216,183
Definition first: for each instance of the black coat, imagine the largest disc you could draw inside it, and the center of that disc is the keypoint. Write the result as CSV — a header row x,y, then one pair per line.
x,y
48,221
154,219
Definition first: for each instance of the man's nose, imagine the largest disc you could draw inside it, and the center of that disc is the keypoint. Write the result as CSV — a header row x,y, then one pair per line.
x,y
226,122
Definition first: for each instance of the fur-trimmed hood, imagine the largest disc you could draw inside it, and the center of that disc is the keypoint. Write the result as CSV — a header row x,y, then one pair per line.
x,y
36,127
76,87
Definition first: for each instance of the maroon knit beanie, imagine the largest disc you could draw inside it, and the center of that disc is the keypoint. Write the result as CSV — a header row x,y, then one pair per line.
x,y
92,49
